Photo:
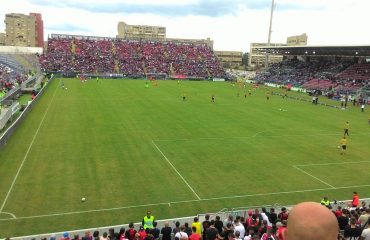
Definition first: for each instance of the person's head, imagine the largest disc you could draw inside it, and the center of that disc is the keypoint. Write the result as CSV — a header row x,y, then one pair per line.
x,y
105,235
177,224
237,234
231,236
166,224
272,210
207,217
196,219
96,234
131,225
155,224
193,229
148,213
186,225
182,228
228,225
352,221
355,193
218,218
309,220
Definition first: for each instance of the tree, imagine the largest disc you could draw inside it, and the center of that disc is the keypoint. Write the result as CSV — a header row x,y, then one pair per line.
x,y
245,60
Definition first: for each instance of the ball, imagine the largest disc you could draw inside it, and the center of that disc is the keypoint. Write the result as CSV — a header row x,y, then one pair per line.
x,y
83,199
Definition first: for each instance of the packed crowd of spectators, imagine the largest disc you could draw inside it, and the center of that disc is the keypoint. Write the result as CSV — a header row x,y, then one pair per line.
x,y
324,76
9,78
130,58
310,220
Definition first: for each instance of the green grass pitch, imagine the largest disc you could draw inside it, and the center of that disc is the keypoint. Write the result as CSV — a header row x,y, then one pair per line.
x,y
127,148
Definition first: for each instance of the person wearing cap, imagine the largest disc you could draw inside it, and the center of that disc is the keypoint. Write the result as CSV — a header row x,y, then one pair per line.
x,y
148,221
65,236
52,237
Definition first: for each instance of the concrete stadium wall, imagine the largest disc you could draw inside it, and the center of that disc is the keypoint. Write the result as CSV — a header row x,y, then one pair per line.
x,y
20,50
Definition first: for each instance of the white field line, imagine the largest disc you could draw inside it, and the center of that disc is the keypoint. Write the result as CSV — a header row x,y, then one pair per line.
x,y
314,177
178,173
327,164
181,202
254,136
11,214
28,151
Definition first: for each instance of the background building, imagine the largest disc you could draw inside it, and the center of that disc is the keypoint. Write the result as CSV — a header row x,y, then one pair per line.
x,y
39,26
2,39
300,40
24,30
126,31
230,59
257,59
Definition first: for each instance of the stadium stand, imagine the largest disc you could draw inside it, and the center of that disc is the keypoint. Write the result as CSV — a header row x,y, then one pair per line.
x,y
131,58
251,222
343,77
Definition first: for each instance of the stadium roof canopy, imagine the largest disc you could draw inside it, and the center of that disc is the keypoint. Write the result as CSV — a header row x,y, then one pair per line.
x,y
354,51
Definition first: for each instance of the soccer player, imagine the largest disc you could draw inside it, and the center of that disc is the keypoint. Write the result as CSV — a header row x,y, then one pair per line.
x,y
62,85
268,95
213,98
343,143
346,129
183,97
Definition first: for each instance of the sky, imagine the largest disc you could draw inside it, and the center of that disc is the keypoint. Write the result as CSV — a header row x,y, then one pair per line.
x,y
232,24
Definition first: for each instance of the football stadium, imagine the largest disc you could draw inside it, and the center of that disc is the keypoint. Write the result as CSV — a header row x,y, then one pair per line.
x,y
144,138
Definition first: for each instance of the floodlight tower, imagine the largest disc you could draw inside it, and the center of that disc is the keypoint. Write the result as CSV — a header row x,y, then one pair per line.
x,y
270,31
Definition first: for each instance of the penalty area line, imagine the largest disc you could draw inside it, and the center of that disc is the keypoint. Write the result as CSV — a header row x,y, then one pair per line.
x,y
173,167
181,202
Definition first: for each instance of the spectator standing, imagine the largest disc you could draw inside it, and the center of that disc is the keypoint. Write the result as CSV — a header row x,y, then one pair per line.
x,y
365,235
238,227
211,232
166,231
205,224
352,231
182,233
283,215
188,229
219,224
176,229
155,231
196,224
364,217
273,216
195,235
